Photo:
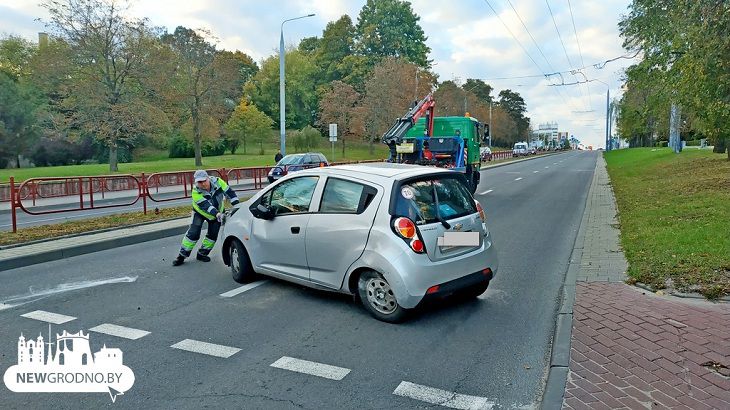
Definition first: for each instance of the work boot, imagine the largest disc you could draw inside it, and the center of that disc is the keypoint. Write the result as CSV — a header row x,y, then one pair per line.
x,y
178,261
203,258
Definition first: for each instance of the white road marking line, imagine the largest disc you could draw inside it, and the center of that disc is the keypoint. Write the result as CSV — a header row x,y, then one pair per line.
x,y
555,163
3,306
49,317
547,167
241,289
535,172
517,179
120,331
210,349
315,369
486,192
442,397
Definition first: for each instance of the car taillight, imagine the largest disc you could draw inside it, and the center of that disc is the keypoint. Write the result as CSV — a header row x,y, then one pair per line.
x,y
406,229
417,246
481,211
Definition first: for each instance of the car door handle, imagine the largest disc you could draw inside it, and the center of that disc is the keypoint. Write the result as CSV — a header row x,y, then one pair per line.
x,y
295,230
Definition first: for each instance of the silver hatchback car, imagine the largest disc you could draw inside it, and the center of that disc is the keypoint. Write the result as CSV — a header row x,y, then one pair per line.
x,y
393,235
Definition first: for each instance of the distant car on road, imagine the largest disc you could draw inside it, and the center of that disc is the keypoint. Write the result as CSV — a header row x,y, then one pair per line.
x,y
485,153
520,149
393,235
296,162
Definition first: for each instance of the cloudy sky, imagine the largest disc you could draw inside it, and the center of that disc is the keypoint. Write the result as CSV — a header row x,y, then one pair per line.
x,y
467,40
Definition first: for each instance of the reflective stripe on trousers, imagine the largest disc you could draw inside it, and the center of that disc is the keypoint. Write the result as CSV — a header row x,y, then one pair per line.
x,y
193,235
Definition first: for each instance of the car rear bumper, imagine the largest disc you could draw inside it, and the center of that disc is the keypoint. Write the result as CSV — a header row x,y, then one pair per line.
x,y
419,274
465,282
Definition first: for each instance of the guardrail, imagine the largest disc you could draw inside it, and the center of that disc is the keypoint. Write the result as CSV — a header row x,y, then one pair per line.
x,y
93,192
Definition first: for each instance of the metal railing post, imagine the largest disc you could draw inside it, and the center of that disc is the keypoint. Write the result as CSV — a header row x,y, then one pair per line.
x,y
12,204
143,193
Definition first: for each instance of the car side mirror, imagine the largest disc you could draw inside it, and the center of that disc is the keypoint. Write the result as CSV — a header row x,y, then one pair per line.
x,y
261,211
485,138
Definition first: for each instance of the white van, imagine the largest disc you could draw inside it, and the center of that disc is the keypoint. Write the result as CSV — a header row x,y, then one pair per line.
x,y
520,149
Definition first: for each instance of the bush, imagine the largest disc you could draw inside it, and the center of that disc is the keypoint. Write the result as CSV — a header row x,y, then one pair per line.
x,y
661,144
53,152
693,143
180,147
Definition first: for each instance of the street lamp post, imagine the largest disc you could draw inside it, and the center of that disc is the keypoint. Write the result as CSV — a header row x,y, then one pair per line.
x,y
282,98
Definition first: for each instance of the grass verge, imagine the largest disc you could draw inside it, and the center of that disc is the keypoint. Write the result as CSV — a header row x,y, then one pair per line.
x,y
156,164
674,212
92,224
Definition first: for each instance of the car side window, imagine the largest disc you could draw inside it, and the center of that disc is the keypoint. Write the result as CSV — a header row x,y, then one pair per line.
x,y
313,159
345,197
292,196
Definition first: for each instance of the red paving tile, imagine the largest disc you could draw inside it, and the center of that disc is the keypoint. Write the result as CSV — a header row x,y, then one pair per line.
x,y
639,351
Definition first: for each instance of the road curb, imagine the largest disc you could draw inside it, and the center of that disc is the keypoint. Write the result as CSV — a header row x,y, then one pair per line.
x,y
552,397
62,253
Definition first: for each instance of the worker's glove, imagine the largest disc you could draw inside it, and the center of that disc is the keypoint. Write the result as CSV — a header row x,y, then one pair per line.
x,y
219,216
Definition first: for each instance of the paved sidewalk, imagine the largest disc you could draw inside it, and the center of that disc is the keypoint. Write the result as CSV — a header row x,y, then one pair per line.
x,y
630,348
633,349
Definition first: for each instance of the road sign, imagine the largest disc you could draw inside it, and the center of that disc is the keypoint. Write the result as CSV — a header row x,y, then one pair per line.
x,y
333,130
333,139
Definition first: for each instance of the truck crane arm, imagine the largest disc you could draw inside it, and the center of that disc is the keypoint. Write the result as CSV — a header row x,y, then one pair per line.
x,y
396,133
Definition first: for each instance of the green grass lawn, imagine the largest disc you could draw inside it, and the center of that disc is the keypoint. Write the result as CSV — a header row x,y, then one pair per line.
x,y
156,161
674,212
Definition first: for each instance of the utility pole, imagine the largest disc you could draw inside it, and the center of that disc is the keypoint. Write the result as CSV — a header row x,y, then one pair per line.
x,y
675,141
282,98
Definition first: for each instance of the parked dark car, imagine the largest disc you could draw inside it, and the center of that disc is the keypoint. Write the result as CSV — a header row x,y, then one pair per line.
x,y
296,162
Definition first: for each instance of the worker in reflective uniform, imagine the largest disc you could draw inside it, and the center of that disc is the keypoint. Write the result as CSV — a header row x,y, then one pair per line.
x,y
208,196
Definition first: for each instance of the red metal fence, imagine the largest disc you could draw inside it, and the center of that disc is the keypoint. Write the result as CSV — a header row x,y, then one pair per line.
x,y
97,192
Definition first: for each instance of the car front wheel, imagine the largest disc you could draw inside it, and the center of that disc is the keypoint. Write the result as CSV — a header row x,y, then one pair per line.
x,y
241,267
378,298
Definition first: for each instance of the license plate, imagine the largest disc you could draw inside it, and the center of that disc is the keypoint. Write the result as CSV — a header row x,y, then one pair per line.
x,y
406,148
453,239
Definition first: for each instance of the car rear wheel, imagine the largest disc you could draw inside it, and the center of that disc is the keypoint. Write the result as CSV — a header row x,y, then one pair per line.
x,y
241,267
378,298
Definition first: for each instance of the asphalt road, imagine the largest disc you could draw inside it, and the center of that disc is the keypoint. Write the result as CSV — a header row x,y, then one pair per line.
x,y
495,348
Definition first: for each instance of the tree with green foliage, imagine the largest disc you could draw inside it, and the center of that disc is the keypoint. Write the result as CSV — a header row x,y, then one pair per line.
x,y
301,85
247,121
338,106
195,77
336,44
685,60
482,90
20,105
390,28
108,54
389,93
514,104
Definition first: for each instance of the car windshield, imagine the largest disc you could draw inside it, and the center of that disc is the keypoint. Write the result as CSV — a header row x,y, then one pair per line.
x,y
417,200
290,159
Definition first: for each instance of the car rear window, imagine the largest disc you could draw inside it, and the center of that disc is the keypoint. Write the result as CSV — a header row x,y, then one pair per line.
x,y
417,200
